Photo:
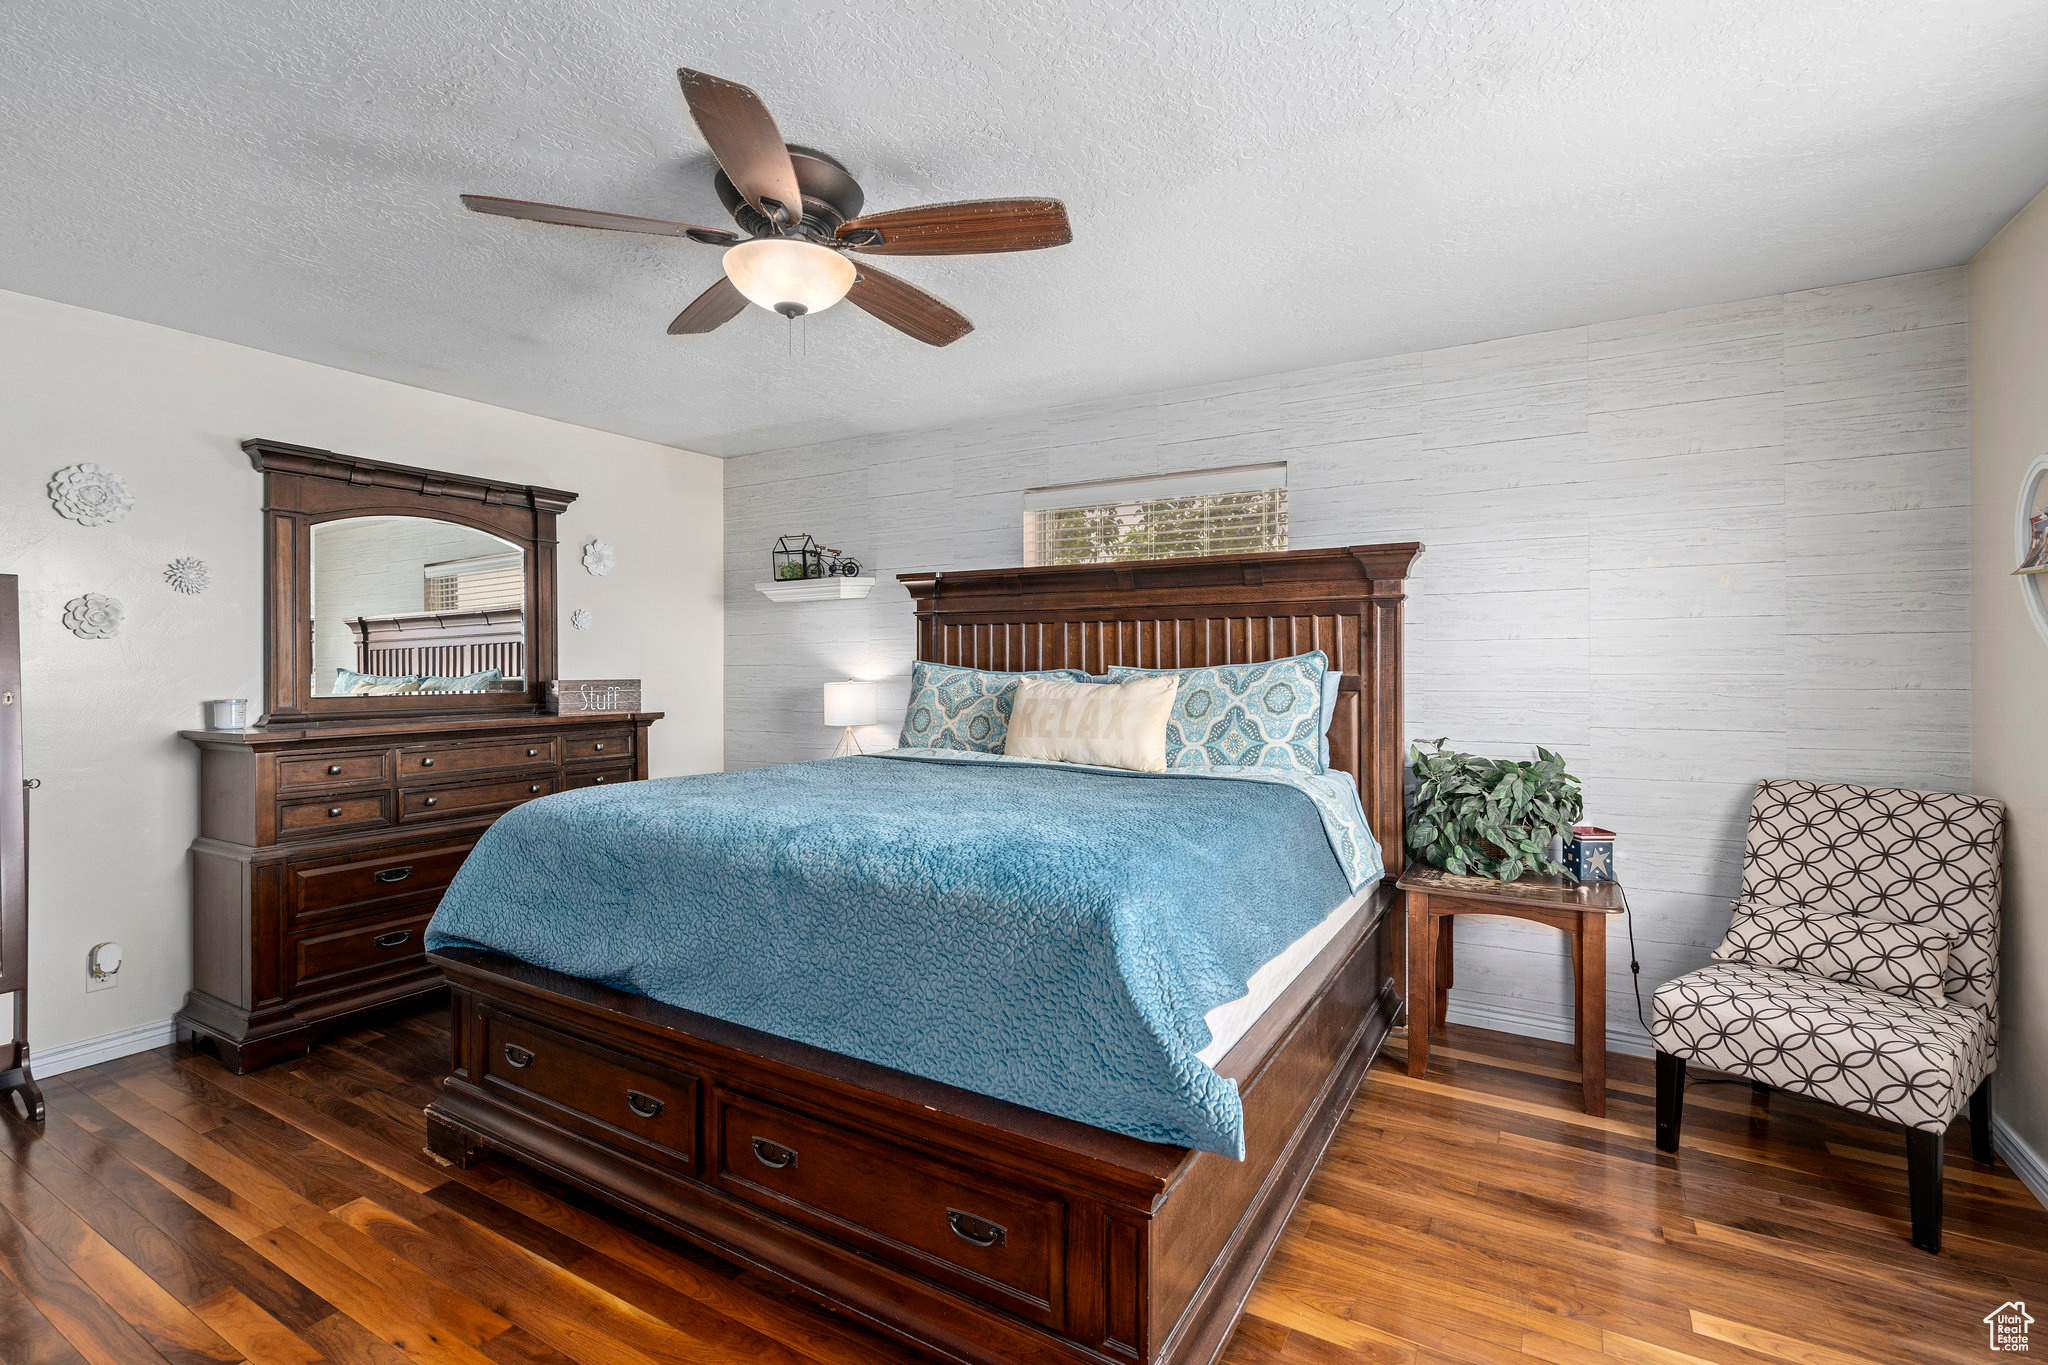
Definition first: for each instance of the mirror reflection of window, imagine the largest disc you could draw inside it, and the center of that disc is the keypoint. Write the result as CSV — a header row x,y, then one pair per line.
x,y
408,605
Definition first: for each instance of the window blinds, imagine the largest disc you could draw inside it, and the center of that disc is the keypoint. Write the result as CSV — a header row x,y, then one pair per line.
x,y
1204,512
472,584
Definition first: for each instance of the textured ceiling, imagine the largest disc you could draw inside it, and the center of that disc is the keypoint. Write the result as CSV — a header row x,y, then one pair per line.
x,y
1254,187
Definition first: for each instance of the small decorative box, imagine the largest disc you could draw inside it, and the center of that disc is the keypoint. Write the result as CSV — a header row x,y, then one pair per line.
x,y
1589,853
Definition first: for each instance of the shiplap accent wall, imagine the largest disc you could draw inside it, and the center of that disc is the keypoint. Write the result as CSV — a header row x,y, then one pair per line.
x,y
1688,551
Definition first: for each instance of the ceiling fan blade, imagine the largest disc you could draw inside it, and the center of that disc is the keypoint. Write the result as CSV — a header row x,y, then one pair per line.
x,y
710,310
907,308
594,218
967,228
749,148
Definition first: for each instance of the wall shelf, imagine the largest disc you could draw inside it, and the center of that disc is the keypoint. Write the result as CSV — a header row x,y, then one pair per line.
x,y
816,589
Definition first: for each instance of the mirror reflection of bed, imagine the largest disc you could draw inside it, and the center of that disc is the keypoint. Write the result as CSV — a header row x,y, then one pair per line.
x,y
406,605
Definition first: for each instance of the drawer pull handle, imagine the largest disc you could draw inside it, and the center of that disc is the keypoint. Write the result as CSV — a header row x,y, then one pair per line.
x,y
426,763
600,746
394,874
392,940
433,801
534,788
517,1055
333,812
600,778
979,1231
532,752
646,1106
334,770
773,1155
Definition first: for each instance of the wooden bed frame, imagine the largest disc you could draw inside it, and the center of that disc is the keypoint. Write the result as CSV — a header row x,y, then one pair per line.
x,y
969,1227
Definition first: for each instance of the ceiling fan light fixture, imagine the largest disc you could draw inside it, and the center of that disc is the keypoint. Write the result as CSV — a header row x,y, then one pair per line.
x,y
788,276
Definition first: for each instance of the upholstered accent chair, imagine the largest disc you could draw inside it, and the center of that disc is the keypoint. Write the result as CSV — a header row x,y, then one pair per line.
x,y
1930,860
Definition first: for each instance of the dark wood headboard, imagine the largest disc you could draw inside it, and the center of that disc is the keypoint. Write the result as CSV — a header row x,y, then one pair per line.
x,y
1187,613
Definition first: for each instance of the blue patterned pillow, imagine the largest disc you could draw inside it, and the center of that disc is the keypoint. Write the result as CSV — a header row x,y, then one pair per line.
x,y
348,682
965,708
1267,715
483,681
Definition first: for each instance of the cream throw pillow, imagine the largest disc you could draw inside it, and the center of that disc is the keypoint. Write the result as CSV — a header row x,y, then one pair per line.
x,y
1115,725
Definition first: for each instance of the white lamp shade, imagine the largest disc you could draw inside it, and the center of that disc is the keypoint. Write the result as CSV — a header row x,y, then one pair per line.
x,y
788,276
850,703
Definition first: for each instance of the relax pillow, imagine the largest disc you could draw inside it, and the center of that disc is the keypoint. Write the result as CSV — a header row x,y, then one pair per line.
x,y
964,708
482,681
1115,725
349,683
1900,959
1268,715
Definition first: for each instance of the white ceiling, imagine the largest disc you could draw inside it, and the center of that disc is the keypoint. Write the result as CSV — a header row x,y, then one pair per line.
x,y
1254,187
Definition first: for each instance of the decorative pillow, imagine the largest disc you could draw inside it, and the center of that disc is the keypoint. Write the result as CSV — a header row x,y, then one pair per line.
x,y
1901,959
1116,725
349,683
1267,715
964,708
469,682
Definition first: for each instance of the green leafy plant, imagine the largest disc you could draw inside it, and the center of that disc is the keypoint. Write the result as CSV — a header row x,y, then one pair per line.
x,y
1490,817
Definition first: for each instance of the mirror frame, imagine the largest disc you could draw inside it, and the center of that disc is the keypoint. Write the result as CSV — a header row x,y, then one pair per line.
x,y
304,487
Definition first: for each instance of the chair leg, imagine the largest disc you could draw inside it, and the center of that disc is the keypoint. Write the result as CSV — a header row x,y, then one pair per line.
x,y
1670,1099
1980,1124
1923,1180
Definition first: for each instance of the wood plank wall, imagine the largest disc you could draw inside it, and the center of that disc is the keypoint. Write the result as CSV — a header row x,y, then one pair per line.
x,y
1688,551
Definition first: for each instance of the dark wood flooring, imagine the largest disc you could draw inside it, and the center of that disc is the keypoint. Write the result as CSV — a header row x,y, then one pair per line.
x,y
171,1212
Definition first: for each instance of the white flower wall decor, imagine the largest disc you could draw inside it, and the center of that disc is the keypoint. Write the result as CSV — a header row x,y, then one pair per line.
x,y
188,575
95,616
598,558
89,495
582,619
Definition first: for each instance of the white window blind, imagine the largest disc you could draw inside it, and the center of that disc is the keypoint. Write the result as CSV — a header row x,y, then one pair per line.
x,y
471,584
1165,516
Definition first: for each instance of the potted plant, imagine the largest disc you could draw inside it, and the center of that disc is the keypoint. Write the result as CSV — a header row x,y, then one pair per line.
x,y
1490,817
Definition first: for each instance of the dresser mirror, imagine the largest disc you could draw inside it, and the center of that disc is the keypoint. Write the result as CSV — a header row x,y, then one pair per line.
x,y
405,605
395,591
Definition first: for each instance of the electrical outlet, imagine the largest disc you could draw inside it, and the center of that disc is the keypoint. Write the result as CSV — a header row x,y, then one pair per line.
x,y
102,967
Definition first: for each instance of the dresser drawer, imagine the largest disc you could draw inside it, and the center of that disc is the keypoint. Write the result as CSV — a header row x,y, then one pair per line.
x,y
333,770
439,803
602,745
1005,1246
595,777
442,760
353,884
385,946
304,819
603,1093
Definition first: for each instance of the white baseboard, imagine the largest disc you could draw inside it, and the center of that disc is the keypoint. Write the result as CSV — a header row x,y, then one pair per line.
x,y
1507,1019
2026,1163
55,1061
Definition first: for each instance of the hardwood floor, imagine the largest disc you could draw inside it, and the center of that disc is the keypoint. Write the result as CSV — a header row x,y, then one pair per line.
x,y
171,1212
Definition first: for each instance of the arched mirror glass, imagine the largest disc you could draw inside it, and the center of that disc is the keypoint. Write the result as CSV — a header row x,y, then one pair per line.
x,y
408,605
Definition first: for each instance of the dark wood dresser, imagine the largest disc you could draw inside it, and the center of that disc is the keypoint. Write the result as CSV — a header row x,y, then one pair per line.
x,y
323,851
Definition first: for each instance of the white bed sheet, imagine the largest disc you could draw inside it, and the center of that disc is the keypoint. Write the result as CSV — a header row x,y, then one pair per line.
x,y
1233,1019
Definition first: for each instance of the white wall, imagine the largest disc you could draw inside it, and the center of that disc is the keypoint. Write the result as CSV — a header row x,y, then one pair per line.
x,y
166,411
1689,551
2008,432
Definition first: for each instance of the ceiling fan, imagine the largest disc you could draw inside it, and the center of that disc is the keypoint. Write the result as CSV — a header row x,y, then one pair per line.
x,y
800,213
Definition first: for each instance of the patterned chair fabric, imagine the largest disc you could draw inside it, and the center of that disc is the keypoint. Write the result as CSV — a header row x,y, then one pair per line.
x,y
1923,858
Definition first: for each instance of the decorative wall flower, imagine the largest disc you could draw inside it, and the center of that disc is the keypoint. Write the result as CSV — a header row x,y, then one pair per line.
x,y
188,575
582,619
94,616
89,495
598,558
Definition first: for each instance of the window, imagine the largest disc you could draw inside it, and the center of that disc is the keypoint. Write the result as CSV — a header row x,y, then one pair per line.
x,y
1206,512
472,584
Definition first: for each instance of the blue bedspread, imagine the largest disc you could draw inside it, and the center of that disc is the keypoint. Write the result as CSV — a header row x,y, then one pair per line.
x,y
1048,935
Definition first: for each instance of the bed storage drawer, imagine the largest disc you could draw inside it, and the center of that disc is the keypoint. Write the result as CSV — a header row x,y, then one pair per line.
x,y
1005,1246
429,761
599,747
355,883
604,1093
382,947
435,803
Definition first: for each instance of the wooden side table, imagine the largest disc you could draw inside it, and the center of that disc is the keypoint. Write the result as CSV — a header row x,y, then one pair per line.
x,y
1579,908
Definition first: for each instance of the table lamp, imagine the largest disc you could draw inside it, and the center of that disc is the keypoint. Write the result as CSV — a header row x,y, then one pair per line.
x,y
848,704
